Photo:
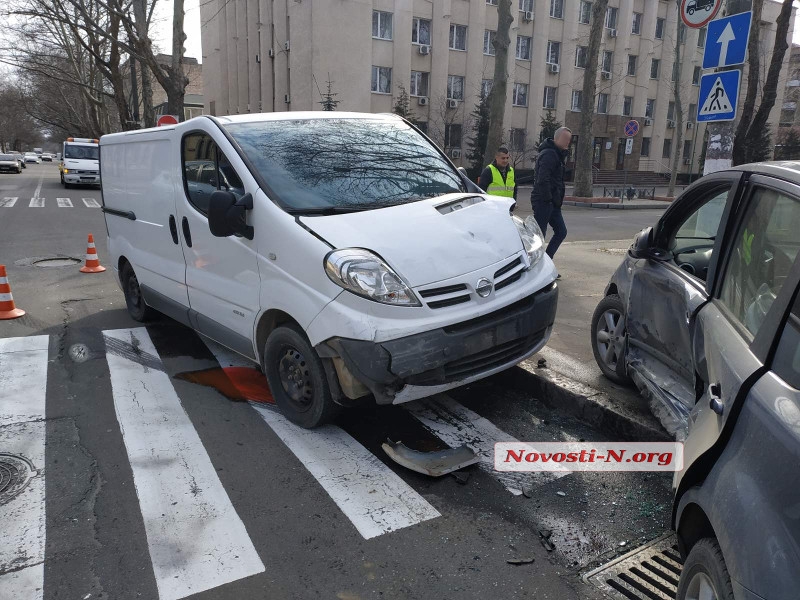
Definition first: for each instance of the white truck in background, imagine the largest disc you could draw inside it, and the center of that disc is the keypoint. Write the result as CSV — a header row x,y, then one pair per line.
x,y
80,162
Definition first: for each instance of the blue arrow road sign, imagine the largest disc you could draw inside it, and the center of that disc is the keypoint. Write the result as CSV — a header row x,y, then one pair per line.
x,y
719,93
726,42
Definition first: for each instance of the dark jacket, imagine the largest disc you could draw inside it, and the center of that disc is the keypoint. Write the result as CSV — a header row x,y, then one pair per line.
x,y
549,174
486,178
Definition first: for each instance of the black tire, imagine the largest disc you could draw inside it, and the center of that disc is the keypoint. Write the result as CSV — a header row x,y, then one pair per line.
x,y
610,360
705,568
297,379
137,309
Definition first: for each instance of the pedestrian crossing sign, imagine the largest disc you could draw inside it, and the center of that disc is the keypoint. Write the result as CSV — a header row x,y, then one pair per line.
x,y
719,93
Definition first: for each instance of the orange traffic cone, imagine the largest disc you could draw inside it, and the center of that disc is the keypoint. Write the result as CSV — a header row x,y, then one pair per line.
x,y
92,262
7,308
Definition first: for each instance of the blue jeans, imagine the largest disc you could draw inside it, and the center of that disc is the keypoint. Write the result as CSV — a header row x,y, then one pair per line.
x,y
547,213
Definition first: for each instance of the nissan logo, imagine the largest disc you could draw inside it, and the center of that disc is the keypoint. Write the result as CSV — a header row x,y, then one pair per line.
x,y
484,287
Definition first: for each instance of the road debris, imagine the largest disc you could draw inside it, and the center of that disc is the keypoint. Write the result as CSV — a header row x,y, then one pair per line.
x,y
519,561
461,477
541,363
435,464
560,493
544,538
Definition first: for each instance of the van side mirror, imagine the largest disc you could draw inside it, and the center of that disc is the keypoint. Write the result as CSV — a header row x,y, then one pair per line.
x,y
227,215
471,186
642,243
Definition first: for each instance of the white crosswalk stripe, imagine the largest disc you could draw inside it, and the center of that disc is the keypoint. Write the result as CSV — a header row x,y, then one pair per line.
x,y
91,203
64,202
8,202
36,203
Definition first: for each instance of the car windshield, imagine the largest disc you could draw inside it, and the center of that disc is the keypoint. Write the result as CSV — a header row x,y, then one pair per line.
x,y
341,165
7,157
90,152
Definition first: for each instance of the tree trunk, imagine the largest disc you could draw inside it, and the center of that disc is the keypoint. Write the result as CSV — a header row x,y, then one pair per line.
x,y
178,81
678,137
753,70
144,48
497,99
583,157
769,94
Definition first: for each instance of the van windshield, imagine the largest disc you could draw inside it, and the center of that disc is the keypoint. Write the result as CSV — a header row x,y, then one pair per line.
x,y
85,152
341,165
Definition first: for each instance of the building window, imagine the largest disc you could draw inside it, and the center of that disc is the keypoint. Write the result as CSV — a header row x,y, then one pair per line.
x,y
381,25
518,139
458,37
676,70
650,108
523,47
645,151
608,61
557,9
553,53
452,135
636,24
419,83
671,112
611,18
701,37
422,126
520,94
667,149
486,87
632,64
488,39
655,64
585,14
660,28
627,106
696,76
577,96
581,57
382,80
687,149
602,104
455,87
525,5
492,2
692,115
549,99
421,32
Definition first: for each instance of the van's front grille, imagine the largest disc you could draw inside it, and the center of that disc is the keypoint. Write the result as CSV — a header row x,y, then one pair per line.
x,y
491,358
508,274
449,289
449,301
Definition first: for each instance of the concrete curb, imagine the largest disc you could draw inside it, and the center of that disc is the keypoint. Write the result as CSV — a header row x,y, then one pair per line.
x,y
628,206
585,403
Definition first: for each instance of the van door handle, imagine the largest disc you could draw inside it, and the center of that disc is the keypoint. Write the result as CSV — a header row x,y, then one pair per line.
x,y
173,229
187,235
715,402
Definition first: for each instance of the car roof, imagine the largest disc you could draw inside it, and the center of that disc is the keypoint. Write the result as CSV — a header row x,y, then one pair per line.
x,y
305,116
788,170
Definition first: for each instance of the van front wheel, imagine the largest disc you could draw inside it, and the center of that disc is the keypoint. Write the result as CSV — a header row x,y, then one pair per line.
x,y
137,308
297,379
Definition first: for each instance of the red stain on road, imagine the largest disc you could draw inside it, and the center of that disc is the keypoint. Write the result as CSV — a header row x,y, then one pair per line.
x,y
236,383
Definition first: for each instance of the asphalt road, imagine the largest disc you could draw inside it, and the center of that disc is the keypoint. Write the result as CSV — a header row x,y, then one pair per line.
x,y
154,486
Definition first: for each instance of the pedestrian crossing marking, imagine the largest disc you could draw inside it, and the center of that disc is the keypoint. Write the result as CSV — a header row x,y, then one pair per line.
x,y
36,203
64,202
8,202
90,203
717,101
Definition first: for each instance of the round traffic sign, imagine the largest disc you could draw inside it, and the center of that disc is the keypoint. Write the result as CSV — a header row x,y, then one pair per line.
x,y
631,128
166,120
697,13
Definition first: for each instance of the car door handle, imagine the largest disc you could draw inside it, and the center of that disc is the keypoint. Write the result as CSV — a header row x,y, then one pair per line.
x,y
173,229
715,402
187,235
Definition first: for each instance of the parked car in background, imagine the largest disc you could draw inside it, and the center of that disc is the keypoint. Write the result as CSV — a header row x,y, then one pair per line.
x,y
47,157
20,159
9,163
703,316
32,157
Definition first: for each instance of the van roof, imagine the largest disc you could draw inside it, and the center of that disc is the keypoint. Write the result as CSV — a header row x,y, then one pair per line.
x,y
304,116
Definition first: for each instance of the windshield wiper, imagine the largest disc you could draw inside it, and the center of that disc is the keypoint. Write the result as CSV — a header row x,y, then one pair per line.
x,y
326,210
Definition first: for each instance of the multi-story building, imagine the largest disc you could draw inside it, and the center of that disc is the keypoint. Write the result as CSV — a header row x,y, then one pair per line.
x,y
267,55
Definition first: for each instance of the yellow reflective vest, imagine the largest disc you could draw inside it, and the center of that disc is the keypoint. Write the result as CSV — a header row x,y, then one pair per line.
x,y
498,187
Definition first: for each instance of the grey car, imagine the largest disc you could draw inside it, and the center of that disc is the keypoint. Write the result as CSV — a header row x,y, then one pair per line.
x,y
703,316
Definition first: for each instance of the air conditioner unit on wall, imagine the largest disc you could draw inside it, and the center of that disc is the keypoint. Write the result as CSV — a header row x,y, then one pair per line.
x,y
286,45
648,122
670,124
452,103
553,68
422,101
271,53
605,75
424,50
687,161
689,125
455,153
612,33
287,98
528,16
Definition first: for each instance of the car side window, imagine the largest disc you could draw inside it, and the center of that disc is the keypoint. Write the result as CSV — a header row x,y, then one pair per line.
x,y
763,251
786,363
199,165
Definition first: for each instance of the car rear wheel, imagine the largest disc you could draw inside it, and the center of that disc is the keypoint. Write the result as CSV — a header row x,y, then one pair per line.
x,y
138,310
704,575
297,379
608,339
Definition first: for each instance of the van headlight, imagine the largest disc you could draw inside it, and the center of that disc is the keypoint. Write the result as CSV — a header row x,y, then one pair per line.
x,y
532,237
366,275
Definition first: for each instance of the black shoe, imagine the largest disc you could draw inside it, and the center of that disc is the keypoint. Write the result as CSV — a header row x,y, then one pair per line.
x,y
558,276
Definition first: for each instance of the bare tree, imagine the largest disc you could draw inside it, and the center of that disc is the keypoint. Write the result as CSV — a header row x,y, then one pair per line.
x,y
753,68
676,98
584,151
497,99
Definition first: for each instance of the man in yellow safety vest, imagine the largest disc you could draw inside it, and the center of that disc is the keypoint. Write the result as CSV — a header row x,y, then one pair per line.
x,y
498,178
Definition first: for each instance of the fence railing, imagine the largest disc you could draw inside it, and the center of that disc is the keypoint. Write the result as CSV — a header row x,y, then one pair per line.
x,y
629,192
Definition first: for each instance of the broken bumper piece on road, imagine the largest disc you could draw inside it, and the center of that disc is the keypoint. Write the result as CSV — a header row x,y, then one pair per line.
x,y
436,463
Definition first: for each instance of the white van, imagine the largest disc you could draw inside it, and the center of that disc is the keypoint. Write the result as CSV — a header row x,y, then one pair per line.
x,y
80,164
343,252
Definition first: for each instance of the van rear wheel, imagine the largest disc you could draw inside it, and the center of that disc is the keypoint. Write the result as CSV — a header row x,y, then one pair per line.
x,y
297,379
137,309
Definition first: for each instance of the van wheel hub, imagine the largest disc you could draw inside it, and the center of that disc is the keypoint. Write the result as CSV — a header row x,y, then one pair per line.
x,y
701,588
296,378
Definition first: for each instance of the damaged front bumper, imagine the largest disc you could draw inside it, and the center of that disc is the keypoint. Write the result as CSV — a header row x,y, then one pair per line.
x,y
424,364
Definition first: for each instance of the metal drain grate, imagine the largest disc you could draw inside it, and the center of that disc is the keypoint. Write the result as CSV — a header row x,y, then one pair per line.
x,y
650,572
15,473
